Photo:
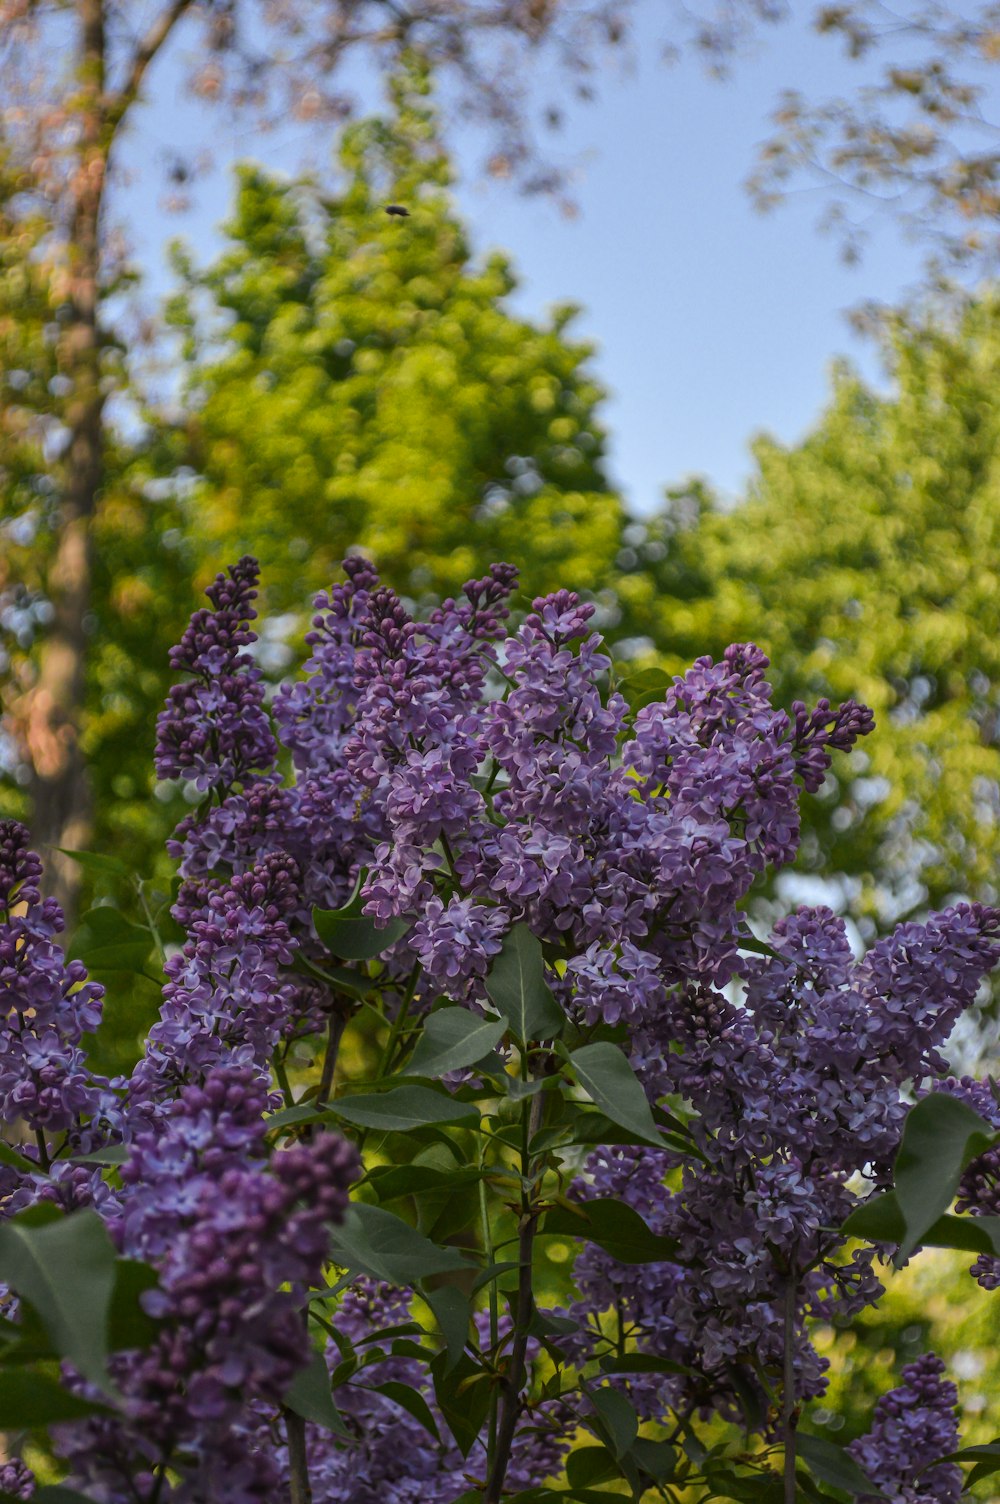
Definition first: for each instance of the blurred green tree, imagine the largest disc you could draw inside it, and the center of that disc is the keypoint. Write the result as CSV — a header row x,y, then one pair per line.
x,y
352,379
356,379
866,562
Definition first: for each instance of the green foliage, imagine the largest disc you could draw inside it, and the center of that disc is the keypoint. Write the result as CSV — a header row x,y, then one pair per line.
x,y
865,564
357,380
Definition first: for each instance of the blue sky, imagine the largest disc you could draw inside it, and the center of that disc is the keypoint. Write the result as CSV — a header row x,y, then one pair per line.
x,y
712,322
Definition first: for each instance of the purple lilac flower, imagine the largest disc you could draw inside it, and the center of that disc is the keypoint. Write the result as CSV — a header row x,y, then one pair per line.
x,y
798,1087
913,1426
214,729
17,1478
236,1244
46,1003
227,993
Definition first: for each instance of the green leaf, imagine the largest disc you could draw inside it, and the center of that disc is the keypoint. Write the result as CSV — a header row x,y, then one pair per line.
x,y
831,1464
389,1182
412,1402
618,1417
106,941
643,1363
96,861
373,1241
35,1399
452,1313
67,1268
517,988
309,1395
657,1458
615,1226
452,1039
586,1466
129,1326
402,1109
357,939
607,1077
880,1220
645,686
114,1154
986,1458
462,1391
940,1137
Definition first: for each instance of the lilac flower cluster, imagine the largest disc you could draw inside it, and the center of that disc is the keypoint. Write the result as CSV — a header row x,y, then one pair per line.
x,y
799,1087
46,1002
236,1243
913,1426
480,777
214,729
227,992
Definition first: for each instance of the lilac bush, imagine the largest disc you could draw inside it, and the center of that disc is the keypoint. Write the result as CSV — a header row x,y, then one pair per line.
x,y
464,965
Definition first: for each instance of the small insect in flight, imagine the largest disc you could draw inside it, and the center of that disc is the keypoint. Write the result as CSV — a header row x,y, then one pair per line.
x,y
397,211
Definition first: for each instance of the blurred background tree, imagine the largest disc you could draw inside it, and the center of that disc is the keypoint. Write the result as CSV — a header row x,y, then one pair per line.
x,y
358,380
348,379
866,562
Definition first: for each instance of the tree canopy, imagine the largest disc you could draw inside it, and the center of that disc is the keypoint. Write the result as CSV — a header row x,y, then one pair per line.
x,y
359,379
866,559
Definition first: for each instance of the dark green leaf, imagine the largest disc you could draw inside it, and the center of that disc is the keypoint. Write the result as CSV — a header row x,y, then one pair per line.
x,y
114,1154
831,1464
34,1399
389,1182
517,988
462,1391
309,1395
493,1272
748,1488
607,1077
453,1039
657,1458
106,941
128,1324
618,1416
372,1241
411,1401
66,1267
881,1221
642,1363
986,1458
452,1313
287,1117
357,939
615,1226
402,1109
96,861
586,1466
940,1137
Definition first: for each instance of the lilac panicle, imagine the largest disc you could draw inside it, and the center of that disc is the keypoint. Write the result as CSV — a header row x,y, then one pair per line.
x,y
914,1425
46,1002
236,1243
214,729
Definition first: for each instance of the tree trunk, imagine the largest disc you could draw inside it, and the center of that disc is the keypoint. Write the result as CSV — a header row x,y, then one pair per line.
x,y
60,792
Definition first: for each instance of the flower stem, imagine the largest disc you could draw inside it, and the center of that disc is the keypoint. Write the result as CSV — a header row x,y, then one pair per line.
x,y
299,1488
510,1409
